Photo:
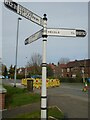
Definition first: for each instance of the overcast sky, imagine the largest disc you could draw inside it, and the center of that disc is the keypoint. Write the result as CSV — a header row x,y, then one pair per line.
x,y
72,15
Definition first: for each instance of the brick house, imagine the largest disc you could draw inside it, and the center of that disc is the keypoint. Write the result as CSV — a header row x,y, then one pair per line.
x,y
76,68
60,70
72,69
52,65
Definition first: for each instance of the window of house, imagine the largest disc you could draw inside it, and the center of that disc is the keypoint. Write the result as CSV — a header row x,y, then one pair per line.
x,y
62,70
68,69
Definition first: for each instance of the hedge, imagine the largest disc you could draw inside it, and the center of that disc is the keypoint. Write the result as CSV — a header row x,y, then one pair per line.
x,y
71,80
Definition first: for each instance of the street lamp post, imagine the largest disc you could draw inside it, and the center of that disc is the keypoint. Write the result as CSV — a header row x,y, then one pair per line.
x,y
83,71
26,70
16,52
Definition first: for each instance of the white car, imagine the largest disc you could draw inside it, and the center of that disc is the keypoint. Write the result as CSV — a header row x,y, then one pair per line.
x,y
2,77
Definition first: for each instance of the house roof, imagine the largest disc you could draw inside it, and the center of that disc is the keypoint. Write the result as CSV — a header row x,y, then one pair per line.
x,y
79,63
62,65
52,66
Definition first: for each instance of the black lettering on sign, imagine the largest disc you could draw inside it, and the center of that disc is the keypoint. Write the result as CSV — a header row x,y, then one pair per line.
x,y
11,5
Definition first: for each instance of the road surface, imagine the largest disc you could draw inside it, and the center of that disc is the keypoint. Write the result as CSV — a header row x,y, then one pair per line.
x,y
70,99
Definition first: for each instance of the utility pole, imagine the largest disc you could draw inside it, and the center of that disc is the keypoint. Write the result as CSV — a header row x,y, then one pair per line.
x,y
26,69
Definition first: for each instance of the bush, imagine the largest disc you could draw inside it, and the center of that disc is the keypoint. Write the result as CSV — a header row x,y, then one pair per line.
x,y
20,76
71,80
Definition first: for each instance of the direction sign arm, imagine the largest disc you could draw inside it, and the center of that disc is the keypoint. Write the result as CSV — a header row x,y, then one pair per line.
x,y
64,32
29,15
24,12
34,37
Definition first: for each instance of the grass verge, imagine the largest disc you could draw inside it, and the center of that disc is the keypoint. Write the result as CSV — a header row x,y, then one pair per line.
x,y
19,96
53,112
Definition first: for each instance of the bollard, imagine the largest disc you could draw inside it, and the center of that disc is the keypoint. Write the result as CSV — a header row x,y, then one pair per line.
x,y
30,85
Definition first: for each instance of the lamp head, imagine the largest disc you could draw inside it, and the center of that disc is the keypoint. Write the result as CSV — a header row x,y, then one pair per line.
x,y
19,18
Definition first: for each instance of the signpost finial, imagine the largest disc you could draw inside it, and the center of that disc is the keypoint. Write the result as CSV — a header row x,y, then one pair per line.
x,y
45,18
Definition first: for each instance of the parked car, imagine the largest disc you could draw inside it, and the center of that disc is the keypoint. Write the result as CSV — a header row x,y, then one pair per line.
x,y
2,77
88,80
36,76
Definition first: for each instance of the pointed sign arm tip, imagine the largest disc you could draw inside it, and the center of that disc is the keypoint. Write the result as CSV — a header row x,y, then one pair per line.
x,y
81,33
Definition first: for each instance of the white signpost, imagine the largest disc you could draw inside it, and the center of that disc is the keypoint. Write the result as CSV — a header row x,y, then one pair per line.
x,y
45,32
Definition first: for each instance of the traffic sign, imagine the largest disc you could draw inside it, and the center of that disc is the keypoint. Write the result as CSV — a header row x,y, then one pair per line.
x,y
63,32
34,37
24,12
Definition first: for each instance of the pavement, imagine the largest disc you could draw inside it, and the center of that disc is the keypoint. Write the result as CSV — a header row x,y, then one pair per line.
x,y
12,113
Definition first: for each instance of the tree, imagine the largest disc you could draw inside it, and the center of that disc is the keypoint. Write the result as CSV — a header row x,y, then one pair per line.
x,y
63,61
12,71
35,60
35,63
49,71
4,70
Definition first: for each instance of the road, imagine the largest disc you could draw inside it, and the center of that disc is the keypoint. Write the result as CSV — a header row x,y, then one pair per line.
x,y
68,97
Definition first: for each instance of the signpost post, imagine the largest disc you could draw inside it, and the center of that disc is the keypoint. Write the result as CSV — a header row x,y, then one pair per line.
x,y
45,32
44,66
